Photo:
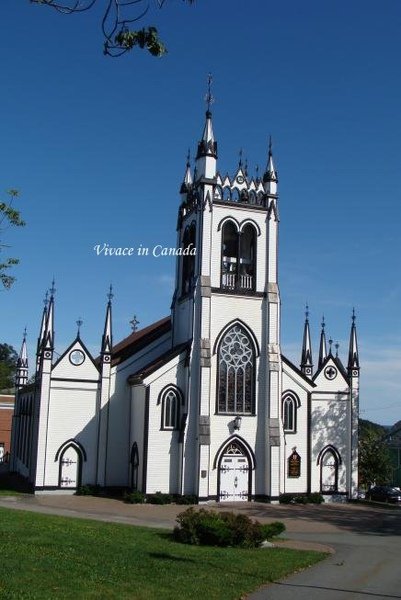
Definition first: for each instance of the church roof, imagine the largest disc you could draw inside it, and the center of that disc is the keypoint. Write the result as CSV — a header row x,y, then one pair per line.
x,y
150,368
137,340
297,371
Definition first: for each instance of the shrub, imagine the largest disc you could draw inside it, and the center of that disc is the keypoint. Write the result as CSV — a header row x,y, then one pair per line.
x,y
88,490
208,527
186,499
313,498
159,498
134,497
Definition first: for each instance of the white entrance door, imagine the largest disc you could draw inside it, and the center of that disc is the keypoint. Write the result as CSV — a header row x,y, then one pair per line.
x,y
234,478
69,465
329,472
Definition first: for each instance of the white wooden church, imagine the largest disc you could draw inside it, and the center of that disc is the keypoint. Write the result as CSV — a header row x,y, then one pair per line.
x,y
203,401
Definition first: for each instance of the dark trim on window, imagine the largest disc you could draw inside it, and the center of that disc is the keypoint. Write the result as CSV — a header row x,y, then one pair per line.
x,y
71,442
244,326
290,396
179,401
145,440
241,442
134,466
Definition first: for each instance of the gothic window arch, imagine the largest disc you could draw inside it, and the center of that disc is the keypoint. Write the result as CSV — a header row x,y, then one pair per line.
x,y
238,257
236,372
290,405
170,400
188,260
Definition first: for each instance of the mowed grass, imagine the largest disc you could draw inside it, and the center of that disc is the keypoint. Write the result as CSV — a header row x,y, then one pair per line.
x,y
44,557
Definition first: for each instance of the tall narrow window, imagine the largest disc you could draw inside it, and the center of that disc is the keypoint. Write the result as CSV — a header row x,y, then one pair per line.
x,y
134,466
289,414
236,372
328,471
188,260
247,258
170,403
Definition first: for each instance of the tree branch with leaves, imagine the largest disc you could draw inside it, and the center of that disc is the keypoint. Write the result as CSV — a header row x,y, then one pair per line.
x,y
9,217
118,17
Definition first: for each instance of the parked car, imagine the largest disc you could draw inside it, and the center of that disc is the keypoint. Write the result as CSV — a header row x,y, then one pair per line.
x,y
384,493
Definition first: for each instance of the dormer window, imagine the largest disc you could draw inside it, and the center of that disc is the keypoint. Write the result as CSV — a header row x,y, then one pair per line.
x,y
238,264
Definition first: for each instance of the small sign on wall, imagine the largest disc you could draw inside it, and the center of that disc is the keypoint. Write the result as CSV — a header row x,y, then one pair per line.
x,y
294,464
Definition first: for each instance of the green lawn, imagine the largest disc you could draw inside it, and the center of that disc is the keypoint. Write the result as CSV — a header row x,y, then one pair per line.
x,y
55,557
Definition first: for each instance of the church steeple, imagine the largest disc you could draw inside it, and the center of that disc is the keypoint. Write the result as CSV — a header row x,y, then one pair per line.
x,y
21,377
306,358
353,355
107,338
207,148
322,345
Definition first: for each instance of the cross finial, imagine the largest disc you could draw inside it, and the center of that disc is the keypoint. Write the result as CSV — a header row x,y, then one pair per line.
x,y
110,295
52,289
209,97
134,324
79,323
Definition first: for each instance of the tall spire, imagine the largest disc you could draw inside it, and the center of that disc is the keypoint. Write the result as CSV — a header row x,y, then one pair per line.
x,y
21,377
306,358
42,331
353,355
322,345
107,338
270,174
207,147
187,181
49,329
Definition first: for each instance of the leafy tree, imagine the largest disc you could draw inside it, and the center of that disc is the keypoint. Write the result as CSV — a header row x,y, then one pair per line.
x,y
8,365
118,15
9,217
375,465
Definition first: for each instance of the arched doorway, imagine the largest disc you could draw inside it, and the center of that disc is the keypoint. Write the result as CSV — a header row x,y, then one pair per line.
x,y
329,462
70,458
234,474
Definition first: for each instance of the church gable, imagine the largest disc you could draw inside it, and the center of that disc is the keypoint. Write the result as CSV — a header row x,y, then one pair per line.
x,y
76,363
331,376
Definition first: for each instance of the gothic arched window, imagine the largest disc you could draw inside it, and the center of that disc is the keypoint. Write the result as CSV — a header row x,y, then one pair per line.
x,y
188,260
289,414
329,462
170,405
236,372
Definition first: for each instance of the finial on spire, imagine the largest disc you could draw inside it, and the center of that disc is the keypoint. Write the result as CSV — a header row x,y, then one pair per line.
x,y
257,172
110,295
306,311
134,324
246,168
189,157
209,97
240,158
52,289
353,315
306,356
79,323
270,146
337,345
46,299
323,323
330,345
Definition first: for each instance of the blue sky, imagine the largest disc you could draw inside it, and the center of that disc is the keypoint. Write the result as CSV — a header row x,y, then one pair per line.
x,y
97,148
